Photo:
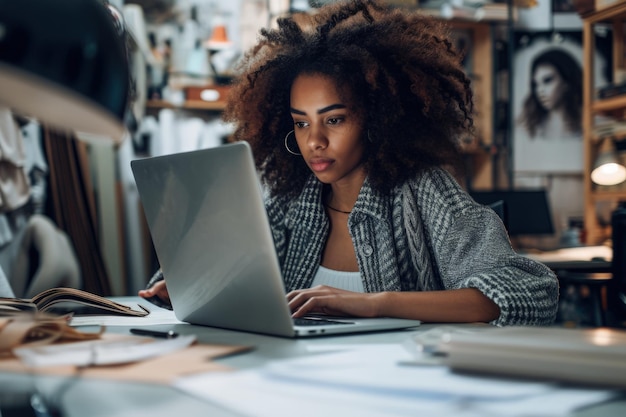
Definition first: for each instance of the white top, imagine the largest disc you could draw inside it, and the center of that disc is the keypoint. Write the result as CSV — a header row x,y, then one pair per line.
x,y
350,281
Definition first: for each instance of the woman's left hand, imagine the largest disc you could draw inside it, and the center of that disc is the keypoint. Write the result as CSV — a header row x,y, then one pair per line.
x,y
332,301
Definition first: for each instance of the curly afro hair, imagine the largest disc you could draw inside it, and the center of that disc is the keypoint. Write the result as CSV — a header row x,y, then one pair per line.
x,y
401,68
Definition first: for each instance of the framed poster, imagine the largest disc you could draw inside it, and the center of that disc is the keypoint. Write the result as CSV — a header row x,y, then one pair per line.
x,y
547,99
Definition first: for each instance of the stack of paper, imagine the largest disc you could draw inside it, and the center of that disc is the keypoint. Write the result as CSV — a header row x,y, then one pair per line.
x,y
101,352
369,382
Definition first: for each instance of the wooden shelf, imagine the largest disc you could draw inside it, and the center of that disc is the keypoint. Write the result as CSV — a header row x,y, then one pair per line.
x,y
187,105
615,16
609,195
481,176
609,104
615,11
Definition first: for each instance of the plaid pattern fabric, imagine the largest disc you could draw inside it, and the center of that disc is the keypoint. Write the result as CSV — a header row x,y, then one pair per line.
x,y
427,234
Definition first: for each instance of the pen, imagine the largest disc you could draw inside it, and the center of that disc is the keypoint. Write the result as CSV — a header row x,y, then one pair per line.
x,y
171,334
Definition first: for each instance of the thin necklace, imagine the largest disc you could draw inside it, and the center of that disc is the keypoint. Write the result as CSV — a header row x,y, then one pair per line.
x,y
337,210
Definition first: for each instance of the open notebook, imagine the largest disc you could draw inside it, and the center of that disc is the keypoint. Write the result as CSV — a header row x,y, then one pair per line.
x,y
213,241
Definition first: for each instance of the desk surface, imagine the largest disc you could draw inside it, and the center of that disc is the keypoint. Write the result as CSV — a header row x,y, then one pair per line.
x,y
576,259
107,398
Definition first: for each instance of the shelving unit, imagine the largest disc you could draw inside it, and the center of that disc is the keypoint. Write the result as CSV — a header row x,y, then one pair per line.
x,y
196,100
477,149
615,16
216,106
487,155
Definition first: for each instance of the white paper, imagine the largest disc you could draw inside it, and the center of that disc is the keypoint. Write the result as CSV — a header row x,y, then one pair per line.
x,y
101,352
367,381
157,316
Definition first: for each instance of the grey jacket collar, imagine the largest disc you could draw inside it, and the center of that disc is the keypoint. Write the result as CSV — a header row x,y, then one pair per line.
x,y
308,205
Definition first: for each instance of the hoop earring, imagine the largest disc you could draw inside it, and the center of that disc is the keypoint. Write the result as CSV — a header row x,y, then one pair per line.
x,y
369,137
287,146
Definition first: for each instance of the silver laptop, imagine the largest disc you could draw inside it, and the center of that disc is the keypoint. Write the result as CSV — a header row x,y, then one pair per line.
x,y
214,244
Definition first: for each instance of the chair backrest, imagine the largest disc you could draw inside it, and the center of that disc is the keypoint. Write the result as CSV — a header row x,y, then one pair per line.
x,y
500,208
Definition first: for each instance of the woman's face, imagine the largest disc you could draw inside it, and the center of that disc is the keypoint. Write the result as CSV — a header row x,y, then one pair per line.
x,y
328,129
549,86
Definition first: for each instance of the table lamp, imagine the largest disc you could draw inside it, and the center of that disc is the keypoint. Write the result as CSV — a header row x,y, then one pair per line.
x,y
64,63
608,169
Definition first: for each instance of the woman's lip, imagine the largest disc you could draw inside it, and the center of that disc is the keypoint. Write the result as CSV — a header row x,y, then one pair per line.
x,y
320,164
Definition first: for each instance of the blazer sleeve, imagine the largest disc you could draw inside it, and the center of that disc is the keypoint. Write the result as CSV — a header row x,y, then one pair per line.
x,y
472,249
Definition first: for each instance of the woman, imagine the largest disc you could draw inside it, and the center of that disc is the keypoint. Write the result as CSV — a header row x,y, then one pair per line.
x,y
351,113
553,109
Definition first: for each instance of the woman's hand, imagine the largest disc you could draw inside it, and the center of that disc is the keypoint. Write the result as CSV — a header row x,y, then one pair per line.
x,y
159,290
333,302
446,306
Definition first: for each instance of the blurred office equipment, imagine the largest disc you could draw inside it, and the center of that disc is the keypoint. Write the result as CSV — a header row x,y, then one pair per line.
x,y
65,64
616,294
527,212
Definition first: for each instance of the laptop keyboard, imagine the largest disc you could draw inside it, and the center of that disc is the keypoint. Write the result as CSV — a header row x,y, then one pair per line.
x,y
315,321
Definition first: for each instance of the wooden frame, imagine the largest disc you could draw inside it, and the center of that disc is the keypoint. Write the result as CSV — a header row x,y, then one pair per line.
x,y
615,15
482,85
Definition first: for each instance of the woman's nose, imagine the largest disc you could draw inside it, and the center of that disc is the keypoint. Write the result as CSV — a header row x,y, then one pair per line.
x,y
317,139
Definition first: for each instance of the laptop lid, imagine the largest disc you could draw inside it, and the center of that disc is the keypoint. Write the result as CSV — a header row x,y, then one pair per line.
x,y
213,241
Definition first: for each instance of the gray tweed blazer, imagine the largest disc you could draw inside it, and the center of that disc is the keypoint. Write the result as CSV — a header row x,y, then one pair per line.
x,y
427,234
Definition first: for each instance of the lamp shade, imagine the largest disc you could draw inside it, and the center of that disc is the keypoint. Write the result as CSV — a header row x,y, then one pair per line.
x,y
64,63
608,170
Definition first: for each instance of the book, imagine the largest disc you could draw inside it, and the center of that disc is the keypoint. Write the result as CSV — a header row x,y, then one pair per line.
x,y
69,300
582,356
612,90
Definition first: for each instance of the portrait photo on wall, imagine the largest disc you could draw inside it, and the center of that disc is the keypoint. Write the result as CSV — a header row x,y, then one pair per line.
x,y
548,97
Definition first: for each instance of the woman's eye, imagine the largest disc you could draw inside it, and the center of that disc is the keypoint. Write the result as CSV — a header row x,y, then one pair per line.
x,y
300,125
335,120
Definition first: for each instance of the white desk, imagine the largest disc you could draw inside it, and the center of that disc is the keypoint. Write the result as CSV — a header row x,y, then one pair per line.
x,y
107,398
